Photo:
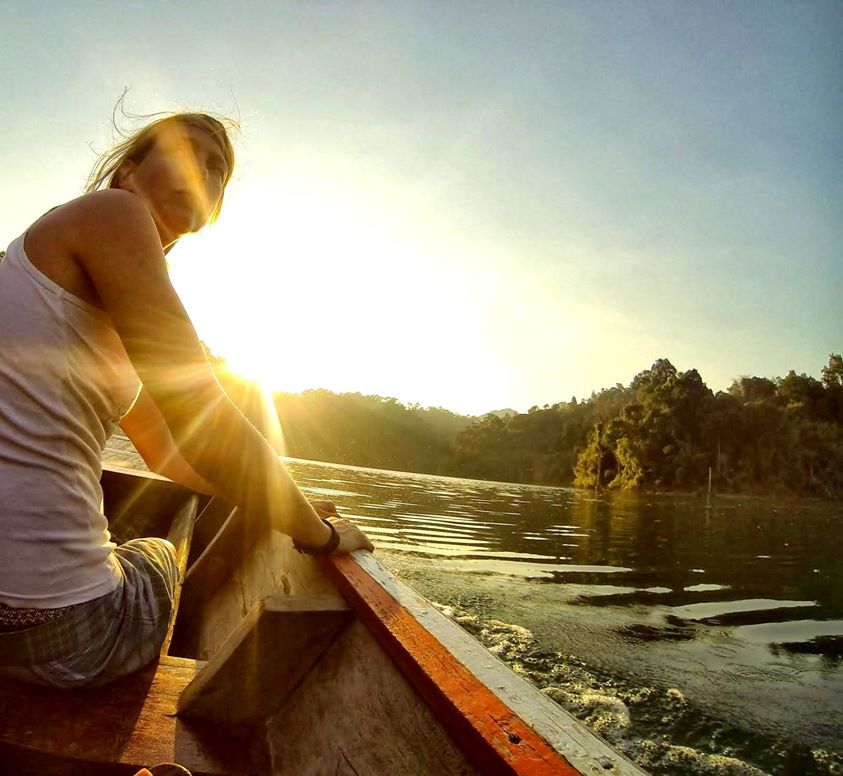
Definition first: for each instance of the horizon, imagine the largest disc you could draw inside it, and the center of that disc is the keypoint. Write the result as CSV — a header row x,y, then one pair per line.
x,y
579,399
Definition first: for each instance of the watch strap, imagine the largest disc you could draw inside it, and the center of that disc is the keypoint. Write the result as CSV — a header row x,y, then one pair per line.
x,y
325,549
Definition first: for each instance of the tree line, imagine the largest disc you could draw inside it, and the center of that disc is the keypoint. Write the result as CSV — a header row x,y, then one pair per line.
x,y
663,431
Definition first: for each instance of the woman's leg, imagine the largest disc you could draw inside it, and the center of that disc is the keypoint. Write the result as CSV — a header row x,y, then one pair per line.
x,y
117,634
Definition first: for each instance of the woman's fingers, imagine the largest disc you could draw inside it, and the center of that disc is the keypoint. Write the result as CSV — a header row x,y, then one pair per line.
x,y
324,508
351,537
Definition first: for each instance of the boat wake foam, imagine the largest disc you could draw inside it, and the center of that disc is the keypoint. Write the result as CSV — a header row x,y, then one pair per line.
x,y
626,715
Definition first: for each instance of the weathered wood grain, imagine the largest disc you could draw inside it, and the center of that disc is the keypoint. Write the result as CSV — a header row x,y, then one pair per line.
x,y
114,729
208,525
180,535
119,451
225,552
486,724
265,658
356,714
233,575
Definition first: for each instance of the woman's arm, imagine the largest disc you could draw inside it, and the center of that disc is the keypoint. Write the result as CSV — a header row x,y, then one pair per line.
x,y
146,428
114,239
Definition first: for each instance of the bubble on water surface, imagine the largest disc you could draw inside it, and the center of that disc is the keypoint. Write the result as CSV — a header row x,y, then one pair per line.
x,y
467,620
662,757
605,714
831,762
507,641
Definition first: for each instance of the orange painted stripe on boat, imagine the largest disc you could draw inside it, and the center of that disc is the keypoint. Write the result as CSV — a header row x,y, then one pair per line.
x,y
496,739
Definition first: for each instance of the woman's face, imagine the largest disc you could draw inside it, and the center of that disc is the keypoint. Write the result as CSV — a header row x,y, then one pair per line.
x,y
180,179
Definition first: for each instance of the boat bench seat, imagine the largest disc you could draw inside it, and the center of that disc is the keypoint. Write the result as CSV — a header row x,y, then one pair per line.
x,y
115,729
265,658
132,722
205,716
244,607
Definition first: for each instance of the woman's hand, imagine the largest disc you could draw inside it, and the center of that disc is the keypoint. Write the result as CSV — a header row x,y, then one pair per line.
x,y
351,537
325,508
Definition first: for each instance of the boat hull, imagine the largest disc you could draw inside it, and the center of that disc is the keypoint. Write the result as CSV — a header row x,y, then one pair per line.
x,y
277,663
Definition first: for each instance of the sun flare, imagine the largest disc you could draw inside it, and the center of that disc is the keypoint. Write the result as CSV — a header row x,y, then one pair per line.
x,y
318,288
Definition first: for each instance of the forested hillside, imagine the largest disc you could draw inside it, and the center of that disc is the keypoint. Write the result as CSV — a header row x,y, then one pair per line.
x,y
761,435
368,431
662,431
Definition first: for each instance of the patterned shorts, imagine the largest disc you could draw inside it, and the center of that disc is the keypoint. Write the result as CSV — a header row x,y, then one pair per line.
x,y
105,639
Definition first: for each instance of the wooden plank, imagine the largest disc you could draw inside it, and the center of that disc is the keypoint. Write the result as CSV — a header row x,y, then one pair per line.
x,y
263,574
265,658
114,729
180,535
243,540
208,525
441,663
226,552
212,602
119,451
229,578
140,503
204,624
356,714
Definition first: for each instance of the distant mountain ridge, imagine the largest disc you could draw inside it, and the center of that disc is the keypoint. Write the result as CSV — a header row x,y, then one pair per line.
x,y
502,414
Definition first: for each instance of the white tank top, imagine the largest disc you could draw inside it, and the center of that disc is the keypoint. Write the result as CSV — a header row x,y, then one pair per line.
x,y
65,382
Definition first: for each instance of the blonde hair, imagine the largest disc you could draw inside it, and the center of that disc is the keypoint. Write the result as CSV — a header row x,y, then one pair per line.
x,y
136,145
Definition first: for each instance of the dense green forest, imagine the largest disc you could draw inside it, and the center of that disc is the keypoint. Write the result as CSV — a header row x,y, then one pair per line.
x,y
661,432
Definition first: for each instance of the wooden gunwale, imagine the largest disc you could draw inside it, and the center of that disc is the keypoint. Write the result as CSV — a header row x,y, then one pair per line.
x,y
493,734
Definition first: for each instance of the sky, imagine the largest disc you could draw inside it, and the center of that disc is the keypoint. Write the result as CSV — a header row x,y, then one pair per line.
x,y
471,205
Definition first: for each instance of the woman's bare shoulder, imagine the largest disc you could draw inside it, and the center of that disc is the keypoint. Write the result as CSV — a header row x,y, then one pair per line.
x,y
95,212
101,232
98,223
99,210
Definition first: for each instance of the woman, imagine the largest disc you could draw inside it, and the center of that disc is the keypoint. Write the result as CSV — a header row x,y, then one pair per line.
x,y
93,334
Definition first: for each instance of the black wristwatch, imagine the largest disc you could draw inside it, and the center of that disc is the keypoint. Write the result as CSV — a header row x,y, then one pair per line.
x,y
325,549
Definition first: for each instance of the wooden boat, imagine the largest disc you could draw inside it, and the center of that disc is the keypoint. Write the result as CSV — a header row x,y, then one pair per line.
x,y
276,663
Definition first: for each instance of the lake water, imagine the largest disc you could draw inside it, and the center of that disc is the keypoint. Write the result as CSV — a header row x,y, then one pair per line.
x,y
695,640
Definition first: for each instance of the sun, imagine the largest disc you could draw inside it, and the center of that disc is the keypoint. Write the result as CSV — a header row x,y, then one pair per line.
x,y
318,287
